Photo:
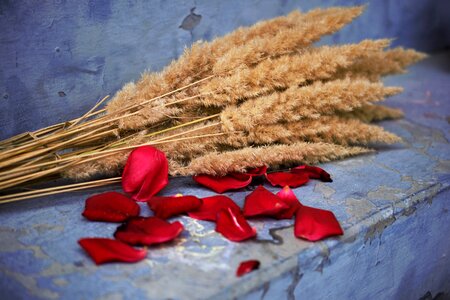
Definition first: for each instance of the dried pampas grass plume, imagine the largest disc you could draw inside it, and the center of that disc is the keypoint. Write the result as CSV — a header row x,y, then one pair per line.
x,y
372,113
273,156
328,129
310,65
310,101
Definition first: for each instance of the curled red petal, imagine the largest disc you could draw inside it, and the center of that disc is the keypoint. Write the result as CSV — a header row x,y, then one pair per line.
x,y
257,171
262,202
234,226
146,173
148,231
286,178
212,205
247,267
166,207
252,173
289,198
103,250
110,207
313,172
223,183
314,224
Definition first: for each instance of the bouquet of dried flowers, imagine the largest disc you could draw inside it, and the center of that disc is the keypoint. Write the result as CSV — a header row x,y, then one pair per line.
x,y
261,95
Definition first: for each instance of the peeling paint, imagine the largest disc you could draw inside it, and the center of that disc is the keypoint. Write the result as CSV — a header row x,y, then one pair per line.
x,y
377,229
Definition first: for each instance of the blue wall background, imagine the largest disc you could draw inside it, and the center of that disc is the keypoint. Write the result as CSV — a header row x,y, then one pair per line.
x,y
58,57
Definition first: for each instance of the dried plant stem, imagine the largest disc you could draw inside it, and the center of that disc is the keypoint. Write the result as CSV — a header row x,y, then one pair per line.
x,y
31,137
24,170
89,112
28,155
83,158
15,181
58,190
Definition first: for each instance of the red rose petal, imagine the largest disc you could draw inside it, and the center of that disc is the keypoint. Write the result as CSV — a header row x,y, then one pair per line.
x,y
103,250
247,267
289,198
257,171
212,205
145,173
313,172
286,178
224,183
148,231
261,202
110,207
166,207
234,226
314,224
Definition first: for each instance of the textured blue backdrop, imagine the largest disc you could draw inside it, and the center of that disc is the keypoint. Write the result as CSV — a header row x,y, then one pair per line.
x,y
58,57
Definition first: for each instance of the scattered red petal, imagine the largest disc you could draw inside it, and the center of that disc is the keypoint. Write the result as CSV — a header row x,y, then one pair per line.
x,y
313,172
286,178
257,171
110,207
234,226
166,207
289,198
103,250
148,231
212,205
224,183
314,224
247,267
146,173
262,202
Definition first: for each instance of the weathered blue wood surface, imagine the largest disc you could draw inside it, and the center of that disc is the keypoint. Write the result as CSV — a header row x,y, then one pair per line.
x,y
393,204
58,57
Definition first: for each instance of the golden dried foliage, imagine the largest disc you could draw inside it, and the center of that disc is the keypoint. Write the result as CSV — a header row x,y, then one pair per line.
x,y
281,100
195,63
246,46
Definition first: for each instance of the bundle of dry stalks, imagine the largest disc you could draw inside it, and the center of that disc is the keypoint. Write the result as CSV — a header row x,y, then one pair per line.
x,y
262,95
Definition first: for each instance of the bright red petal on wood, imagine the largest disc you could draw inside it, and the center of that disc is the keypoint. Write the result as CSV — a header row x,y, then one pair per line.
x,y
110,207
148,231
247,267
289,198
286,178
166,207
261,202
146,173
234,226
103,250
212,205
315,224
224,183
313,172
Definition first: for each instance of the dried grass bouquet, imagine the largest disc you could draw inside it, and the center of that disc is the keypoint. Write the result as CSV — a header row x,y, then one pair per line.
x,y
261,95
